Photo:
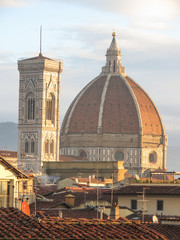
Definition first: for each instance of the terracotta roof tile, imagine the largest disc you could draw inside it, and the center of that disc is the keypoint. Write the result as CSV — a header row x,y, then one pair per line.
x,y
70,213
15,225
56,198
160,189
172,232
85,115
120,115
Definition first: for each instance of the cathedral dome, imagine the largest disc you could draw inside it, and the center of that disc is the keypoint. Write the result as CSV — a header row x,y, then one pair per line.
x,y
112,103
114,119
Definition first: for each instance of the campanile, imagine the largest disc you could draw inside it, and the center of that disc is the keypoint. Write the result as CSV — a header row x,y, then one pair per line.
x,y
39,112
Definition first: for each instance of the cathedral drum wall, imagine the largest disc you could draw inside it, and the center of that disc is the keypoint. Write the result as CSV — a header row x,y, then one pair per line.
x,y
152,158
102,140
129,156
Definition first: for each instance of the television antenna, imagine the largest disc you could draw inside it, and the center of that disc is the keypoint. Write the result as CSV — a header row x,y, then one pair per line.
x,y
143,202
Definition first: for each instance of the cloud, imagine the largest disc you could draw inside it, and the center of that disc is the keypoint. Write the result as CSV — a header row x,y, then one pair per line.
x,y
6,58
12,3
146,9
137,45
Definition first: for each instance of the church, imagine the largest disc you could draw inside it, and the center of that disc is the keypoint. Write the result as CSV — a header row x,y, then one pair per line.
x,y
111,121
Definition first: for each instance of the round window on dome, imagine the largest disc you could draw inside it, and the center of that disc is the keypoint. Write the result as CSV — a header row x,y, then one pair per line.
x,y
153,157
119,156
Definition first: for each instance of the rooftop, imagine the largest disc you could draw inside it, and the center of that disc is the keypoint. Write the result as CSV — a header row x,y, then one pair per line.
x,y
156,189
16,225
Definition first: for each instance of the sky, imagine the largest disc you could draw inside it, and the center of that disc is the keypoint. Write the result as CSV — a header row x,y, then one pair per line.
x,y
79,33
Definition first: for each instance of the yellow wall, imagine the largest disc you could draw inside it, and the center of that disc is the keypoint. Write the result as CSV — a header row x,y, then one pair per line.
x,y
171,204
16,191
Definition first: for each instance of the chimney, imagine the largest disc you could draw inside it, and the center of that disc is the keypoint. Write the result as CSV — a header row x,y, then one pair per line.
x,y
70,200
60,214
89,180
114,214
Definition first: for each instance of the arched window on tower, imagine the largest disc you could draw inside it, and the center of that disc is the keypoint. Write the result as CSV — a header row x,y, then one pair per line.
x,y
114,66
26,146
32,146
52,147
50,108
46,146
30,106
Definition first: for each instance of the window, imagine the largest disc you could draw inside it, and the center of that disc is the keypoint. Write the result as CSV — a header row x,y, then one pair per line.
x,y
119,156
24,185
52,147
4,194
153,157
160,205
31,109
47,146
114,66
134,204
83,155
109,65
30,106
50,108
26,147
32,147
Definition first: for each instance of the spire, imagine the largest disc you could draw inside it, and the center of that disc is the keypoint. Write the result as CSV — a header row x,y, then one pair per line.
x,y
113,59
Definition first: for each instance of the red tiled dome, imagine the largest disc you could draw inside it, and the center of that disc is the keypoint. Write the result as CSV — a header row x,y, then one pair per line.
x,y
113,103
118,105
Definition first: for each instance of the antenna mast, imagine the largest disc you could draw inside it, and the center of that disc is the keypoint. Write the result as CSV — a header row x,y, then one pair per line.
x,y
40,54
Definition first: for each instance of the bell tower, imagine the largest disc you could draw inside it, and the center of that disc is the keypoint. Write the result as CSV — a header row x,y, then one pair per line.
x,y
39,112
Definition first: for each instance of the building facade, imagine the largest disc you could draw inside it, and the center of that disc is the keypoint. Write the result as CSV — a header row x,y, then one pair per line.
x,y
15,186
114,119
153,199
39,112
